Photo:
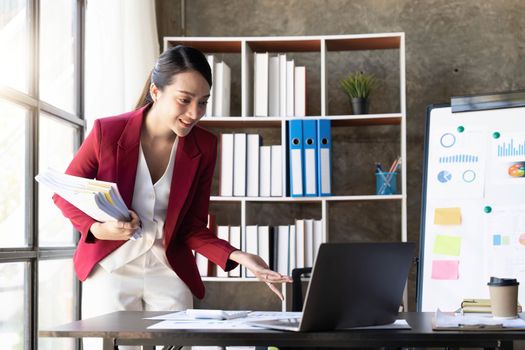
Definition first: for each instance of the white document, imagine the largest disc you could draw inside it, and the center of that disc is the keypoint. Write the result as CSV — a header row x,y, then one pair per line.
x,y
398,324
277,174
99,199
300,253
444,320
265,171
292,250
283,248
263,242
282,85
273,87
260,88
300,91
251,244
226,179
290,83
308,243
317,238
180,320
239,165
221,101
235,240
252,165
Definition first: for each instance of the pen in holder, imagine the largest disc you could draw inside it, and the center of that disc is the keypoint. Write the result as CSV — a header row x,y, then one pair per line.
x,y
386,183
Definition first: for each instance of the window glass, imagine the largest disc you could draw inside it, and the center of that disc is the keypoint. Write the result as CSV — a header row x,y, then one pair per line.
x,y
13,152
56,149
57,58
56,300
14,41
12,305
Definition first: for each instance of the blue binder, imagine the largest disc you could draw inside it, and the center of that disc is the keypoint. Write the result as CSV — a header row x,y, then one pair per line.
x,y
295,148
324,158
310,157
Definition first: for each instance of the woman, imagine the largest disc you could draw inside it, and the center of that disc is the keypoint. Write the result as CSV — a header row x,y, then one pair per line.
x,y
163,165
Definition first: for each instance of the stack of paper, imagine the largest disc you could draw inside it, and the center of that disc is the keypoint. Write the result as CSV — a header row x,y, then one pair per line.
x,y
99,199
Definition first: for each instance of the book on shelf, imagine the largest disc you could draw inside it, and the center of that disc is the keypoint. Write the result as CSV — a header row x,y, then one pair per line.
x,y
265,171
260,84
276,180
239,164
235,240
265,243
226,165
478,305
222,90
253,142
250,244
282,85
300,91
290,92
273,87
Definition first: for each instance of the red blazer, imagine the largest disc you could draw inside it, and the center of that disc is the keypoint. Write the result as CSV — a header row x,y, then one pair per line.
x,y
110,153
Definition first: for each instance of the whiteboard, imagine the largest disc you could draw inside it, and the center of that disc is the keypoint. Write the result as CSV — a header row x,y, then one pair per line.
x,y
473,210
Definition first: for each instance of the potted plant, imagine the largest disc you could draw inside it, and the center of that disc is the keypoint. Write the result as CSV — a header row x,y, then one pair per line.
x,y
358,86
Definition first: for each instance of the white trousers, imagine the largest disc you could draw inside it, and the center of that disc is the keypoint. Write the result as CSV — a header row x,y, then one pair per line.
x,y
144,284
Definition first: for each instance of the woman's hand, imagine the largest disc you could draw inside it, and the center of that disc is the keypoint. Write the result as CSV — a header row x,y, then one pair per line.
x,y
260,269
116,230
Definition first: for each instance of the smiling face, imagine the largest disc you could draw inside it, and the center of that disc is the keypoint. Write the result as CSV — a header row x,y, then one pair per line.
x,y
181,104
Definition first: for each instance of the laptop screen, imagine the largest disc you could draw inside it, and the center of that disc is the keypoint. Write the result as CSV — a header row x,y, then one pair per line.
x,y
356,284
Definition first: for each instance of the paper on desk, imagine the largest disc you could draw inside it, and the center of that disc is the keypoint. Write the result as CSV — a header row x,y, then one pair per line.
x,y
179,320
443,320
182,316
397,324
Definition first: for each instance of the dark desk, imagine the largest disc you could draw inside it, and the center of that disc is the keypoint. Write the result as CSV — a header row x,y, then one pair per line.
x,y
129,328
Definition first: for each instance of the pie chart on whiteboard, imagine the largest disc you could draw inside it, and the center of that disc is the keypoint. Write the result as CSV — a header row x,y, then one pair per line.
x,y
444,176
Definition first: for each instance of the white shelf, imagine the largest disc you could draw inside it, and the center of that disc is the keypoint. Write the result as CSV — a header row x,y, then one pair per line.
x,y
243,49
230,279
307,199
337,120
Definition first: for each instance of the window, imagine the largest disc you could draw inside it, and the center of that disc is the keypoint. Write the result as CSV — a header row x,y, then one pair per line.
x,y
13,192
54,152
14,41
41,125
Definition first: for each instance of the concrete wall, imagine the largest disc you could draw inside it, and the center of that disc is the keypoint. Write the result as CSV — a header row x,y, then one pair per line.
x,y
453,47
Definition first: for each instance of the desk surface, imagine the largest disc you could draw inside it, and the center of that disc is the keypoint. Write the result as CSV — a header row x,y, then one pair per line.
x,y
130,327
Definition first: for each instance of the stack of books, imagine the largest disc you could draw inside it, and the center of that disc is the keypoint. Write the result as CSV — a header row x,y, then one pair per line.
x,y
478,306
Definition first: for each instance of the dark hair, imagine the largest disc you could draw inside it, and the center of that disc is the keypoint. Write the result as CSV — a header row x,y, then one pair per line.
x,y
175,60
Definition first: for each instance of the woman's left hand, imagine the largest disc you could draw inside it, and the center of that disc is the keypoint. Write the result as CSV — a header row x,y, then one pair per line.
x,y
260,269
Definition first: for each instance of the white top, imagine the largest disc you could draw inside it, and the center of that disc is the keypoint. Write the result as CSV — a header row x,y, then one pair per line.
x,y
150,202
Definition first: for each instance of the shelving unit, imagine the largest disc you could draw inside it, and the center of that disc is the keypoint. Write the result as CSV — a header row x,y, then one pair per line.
x,y
321,75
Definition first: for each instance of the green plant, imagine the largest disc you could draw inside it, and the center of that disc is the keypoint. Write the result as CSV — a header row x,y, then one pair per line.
x,y
358,84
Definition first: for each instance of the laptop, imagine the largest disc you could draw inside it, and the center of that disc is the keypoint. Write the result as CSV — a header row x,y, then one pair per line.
x,y
352,285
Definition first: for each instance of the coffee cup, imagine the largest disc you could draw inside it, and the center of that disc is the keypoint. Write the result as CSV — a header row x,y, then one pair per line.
x,y
503,297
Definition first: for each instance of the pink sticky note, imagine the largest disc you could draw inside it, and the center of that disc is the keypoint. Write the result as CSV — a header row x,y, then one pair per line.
x,y
445,269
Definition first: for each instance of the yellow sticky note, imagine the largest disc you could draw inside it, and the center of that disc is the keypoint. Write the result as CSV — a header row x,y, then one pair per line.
x,y
447,216
447,245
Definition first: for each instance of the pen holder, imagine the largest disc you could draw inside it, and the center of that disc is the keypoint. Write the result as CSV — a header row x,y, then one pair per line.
x,y
386,183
